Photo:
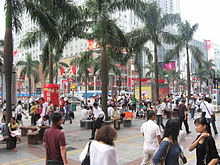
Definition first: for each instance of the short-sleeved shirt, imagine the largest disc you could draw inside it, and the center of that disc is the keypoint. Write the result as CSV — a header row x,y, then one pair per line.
x,y
172,155
54,138
150,130
182,108
206,149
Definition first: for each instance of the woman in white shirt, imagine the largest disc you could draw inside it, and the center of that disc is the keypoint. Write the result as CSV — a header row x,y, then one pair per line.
x,y
159,113
102,150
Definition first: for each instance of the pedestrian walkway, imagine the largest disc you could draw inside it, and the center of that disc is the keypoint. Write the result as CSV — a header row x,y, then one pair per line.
x,y
129,145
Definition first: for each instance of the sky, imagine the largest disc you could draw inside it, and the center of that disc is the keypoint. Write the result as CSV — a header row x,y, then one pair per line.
x,y
204,12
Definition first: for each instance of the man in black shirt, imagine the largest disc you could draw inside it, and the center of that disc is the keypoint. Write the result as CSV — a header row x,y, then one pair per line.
x,y
182,112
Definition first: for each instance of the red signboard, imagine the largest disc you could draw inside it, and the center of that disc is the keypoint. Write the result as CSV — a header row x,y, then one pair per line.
x,y
52,93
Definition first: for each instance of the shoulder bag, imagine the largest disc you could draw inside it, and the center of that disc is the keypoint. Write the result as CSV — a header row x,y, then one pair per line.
x,y
86,161
163,159
212,116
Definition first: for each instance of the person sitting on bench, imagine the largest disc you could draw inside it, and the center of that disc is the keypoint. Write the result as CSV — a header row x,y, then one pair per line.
x,y
43,124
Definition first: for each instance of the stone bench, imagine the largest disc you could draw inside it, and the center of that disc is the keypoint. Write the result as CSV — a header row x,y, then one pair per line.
x,y
8,141
33,137
86,124
127,123
24,130
107,122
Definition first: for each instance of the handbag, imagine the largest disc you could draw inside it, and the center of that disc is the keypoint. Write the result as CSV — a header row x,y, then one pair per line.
x,y
183,158
163,159
86,161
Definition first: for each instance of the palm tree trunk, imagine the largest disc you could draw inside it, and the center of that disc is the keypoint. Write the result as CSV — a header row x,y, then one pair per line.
x,y
200,86
188,74
86,87
29,91
8,59
104,79
140,85
168,83
51,66
156,97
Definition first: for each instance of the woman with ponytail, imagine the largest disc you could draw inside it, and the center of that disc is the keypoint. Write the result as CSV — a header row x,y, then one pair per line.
x,y
206,152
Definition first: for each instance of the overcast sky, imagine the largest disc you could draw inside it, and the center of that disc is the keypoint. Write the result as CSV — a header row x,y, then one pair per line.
x,y
204,12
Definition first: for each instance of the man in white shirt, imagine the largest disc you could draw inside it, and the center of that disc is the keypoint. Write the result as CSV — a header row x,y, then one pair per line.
x,y
18,113
211,114
43,124
44,109
98,117
152,137
205,108
84,113
110,109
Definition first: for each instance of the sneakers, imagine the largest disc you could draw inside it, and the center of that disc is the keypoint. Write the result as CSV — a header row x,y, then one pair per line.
x,y
189,132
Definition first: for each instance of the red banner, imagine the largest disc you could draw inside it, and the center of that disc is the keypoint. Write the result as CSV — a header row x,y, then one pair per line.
x,y
52,93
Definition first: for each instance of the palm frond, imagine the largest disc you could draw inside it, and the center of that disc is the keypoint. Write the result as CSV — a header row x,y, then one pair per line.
x,y
30,38
169,19
18,8
197,53
64,64
174,52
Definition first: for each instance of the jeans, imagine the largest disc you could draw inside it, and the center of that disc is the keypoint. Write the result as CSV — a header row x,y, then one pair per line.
x,y
159,120
192,112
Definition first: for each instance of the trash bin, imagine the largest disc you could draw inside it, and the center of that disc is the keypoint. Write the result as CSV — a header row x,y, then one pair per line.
x,y
73,107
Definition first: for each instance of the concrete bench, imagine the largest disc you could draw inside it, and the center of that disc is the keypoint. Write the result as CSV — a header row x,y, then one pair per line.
x,y
24,130
86,124
107,122
8,141
127,123
33,137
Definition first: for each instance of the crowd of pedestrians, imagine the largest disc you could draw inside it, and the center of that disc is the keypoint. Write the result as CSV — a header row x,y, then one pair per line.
x,y
162,128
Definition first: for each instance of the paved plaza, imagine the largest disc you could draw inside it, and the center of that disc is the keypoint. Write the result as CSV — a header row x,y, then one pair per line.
x,y
128,145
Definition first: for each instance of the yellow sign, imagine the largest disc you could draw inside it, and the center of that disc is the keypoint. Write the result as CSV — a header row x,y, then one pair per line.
x,y
73,87
147,91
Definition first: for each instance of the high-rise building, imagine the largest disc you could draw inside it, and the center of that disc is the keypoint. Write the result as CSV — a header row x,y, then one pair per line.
x,y
126,20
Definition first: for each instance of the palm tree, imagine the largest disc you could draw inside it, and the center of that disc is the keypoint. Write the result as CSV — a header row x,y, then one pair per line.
x,y
14,9
57,64
154,31
107,34
1,45
64,22
29,69
150,68
13,12
84,61
174,76
186,32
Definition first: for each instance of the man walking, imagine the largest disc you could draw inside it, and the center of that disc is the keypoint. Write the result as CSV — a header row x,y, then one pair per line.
x,y
55,143
152,137
182,113
98,117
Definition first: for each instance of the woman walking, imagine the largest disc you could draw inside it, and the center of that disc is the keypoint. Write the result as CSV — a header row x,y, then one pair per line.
x,y
169,150
102,150
206,152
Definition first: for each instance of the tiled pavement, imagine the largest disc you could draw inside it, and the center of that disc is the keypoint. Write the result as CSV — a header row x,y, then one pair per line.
x,y
128,145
